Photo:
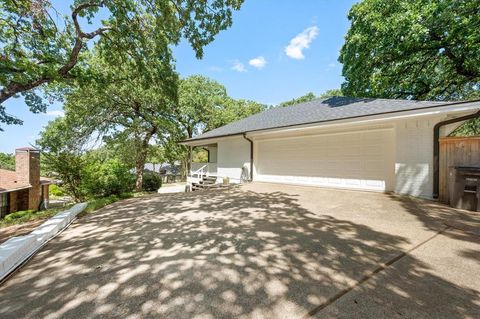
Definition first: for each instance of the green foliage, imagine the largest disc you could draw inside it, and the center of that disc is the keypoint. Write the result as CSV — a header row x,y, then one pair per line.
x,y
23,214
83,174
200,155
7,161
304,98
29,215
39,47
62,150
331,93
310,97
203,105
469,128
232,110
198,99
56,191
413,49
92,205
105,178
151,182
126,107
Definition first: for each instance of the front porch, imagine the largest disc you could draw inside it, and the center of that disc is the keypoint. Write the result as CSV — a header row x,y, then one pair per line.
x,y
206,168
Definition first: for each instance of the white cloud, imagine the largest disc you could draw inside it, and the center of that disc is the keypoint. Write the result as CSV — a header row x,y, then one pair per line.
x,y
259,62
302,41
238,66
332,65
55,113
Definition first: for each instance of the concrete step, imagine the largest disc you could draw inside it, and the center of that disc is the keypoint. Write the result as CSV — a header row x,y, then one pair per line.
x,y
207,182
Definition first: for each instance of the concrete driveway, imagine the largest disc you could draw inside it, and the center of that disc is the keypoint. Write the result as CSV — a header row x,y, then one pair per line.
x,y
259,251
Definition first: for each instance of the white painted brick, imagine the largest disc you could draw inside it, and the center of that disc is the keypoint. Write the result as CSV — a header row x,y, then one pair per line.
x,y
233,154
414,157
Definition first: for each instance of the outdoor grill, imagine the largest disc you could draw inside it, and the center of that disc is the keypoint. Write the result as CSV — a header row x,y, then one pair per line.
x,y
465,187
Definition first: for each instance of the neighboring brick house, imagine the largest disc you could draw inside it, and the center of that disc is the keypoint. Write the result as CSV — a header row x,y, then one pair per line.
x,y
23,189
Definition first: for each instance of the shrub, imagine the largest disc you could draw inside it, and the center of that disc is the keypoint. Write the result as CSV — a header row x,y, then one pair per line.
x,y
151,181
110,177
19,215
56,190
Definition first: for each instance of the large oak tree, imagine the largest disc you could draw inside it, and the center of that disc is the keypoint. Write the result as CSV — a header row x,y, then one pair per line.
x,y
39,46
414,49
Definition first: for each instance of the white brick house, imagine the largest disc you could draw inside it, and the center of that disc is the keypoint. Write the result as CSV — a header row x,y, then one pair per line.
x,y
367,144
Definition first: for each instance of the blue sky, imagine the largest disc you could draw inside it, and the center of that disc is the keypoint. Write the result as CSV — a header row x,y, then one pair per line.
x,y
275,51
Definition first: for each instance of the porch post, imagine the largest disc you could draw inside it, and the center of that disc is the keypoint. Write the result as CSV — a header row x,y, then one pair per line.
x,y
190,157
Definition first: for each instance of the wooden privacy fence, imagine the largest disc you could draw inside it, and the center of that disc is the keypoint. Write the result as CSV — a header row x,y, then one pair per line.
x,y
456,151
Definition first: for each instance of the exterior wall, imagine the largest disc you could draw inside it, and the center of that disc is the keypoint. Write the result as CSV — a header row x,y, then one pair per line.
x,y
13,202
212,154
414,156
233,155
23,199
412,151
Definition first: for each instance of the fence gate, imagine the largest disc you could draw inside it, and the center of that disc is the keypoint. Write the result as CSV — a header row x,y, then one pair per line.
x,y
456,151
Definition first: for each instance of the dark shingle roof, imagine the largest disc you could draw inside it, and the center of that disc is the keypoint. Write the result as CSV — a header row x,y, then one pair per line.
x,y
319,110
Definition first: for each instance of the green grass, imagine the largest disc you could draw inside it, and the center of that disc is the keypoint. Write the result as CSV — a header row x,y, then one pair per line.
x,y
93,205
100,202
23,216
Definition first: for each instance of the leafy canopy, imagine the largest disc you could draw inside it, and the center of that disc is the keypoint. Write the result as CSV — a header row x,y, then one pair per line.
x,y
7,161
41,47
310,96
203,105
413,49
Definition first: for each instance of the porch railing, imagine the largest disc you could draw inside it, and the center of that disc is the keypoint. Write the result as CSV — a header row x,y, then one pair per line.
x,y
198,170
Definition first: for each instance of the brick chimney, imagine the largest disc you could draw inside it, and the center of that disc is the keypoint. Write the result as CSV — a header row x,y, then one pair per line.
x,y
27,167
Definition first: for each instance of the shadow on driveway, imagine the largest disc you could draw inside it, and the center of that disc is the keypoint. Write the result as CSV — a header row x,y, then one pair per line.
x,y
239,253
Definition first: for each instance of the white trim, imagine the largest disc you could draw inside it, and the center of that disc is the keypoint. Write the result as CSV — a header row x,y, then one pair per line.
x,y
366,119
329,133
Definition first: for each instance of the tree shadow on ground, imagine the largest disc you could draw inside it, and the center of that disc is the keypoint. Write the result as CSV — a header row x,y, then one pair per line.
x,y
435,216
228,254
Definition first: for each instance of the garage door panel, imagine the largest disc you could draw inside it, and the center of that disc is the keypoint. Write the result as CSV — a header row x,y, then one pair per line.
x,y
360,160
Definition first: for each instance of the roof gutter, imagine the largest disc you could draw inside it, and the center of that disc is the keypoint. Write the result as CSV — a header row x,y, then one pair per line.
x,y
436,147
251,155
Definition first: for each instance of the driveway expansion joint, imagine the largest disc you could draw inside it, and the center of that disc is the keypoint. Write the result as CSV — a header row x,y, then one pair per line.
x,y
381,267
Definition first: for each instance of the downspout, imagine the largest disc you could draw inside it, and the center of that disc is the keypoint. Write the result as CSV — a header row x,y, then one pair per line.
x,y
251,155
436,147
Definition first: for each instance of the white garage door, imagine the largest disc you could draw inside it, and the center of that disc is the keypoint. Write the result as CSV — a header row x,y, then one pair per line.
x,y
358,160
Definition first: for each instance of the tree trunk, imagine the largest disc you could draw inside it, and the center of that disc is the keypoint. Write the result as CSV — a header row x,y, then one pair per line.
x,y
139,167
140,160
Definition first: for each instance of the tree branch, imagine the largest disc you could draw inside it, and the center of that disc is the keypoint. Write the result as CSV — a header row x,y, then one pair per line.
x,y
14,88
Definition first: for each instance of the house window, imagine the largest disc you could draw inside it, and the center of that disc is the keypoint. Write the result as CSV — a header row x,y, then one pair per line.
x,y
3,204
